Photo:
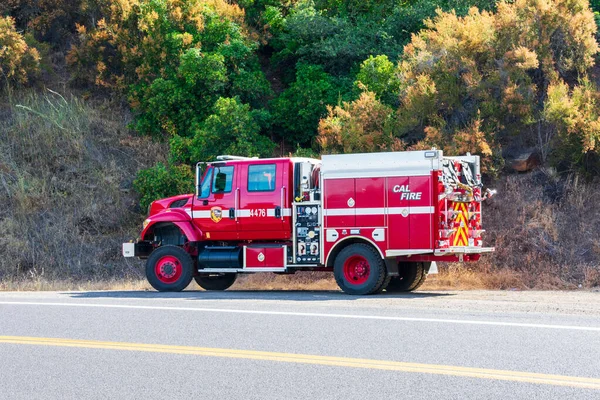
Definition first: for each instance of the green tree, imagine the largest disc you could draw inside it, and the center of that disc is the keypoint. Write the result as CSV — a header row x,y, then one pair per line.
x,y
477,81
378,75
488,73
173,58
364,125
232,128
298,110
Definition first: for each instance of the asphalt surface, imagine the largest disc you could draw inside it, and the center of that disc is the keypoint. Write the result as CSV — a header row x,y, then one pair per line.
x,y
299,345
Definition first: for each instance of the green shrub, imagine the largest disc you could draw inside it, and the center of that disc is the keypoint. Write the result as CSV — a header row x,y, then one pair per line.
x,y
18,61
576,115
50,21
173,58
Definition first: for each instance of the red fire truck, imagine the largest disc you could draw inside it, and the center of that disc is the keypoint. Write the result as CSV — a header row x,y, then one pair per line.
x,y
377,220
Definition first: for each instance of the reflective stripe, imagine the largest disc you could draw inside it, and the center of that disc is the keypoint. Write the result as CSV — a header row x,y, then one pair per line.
x,y
201,214
334,212
411,210
243,213
240,213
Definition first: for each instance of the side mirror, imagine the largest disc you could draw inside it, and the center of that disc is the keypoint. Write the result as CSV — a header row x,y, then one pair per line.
x,y
220,182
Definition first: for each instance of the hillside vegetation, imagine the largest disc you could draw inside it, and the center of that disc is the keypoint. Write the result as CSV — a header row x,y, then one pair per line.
x,y
107,104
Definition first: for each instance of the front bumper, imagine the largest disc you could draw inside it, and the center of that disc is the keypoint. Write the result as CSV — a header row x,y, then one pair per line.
x,y
137,249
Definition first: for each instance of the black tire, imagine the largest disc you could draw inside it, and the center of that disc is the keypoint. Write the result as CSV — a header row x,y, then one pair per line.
x,y
366,283
169,269
411,277
384,284
215,281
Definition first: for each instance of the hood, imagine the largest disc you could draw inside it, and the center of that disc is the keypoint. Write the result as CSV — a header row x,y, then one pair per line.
x,y
179,201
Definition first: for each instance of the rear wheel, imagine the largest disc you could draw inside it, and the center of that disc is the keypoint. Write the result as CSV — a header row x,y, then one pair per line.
x,y
359,270
411,277
215,281
169,269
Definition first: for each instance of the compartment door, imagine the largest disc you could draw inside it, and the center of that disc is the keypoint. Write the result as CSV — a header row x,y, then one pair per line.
x,y
370,202
421,213
340,202
267,257
398,213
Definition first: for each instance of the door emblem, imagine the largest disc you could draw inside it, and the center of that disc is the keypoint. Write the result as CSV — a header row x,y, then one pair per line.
x,y
216,213
261,257
351,202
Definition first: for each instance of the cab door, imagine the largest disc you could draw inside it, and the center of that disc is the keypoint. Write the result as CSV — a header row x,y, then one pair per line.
x,y
264,209
213,210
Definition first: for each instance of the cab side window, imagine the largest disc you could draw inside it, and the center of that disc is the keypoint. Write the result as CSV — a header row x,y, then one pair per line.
x,y
204,189
222,179
261,178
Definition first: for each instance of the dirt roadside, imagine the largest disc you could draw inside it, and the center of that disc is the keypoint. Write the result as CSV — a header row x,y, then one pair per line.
x,y
577,302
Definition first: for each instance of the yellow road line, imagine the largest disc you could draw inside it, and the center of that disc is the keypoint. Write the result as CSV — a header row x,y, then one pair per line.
x,y
482,373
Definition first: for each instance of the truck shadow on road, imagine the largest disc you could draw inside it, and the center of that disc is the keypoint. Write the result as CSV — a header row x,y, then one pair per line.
x,y
291,295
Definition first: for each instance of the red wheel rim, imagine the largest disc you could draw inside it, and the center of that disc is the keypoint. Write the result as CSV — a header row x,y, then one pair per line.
x,y
356,270
168,269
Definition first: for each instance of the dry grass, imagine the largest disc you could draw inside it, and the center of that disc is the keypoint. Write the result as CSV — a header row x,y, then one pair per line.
x,y
66,172
266,281
455,278
461,277
42,284
297,281
450,277
546,231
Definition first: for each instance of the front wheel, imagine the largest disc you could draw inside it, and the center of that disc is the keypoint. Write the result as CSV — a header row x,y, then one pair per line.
x,y
169,269
359,270
215,281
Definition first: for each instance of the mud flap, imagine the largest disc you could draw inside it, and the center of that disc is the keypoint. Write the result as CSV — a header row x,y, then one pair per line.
x,y
391,265
433,269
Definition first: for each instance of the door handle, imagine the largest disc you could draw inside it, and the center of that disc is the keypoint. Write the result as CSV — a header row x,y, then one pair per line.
x,y
277,212
282,204
232,213
237,204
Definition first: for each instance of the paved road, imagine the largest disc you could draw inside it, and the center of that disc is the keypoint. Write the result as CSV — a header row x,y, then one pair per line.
x,y
299,345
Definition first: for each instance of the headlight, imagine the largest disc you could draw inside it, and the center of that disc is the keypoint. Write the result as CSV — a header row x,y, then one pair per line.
x,y
146,222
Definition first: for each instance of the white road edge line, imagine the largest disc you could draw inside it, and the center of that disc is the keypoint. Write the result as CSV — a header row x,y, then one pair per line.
x,y
321,315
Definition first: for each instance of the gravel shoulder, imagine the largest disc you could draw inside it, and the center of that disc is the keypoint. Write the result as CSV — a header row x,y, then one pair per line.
x,y
577,303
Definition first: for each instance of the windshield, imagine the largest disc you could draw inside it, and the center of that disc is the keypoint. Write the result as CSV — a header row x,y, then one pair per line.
x,y
204,189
